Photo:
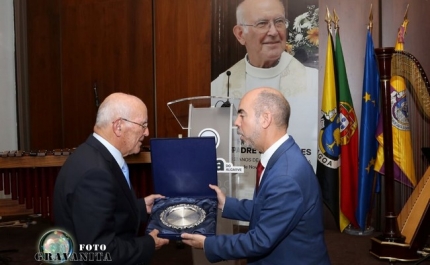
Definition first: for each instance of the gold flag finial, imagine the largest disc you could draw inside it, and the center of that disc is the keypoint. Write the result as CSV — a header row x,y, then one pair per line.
x,y
328,19
402,32
370,26
406,13
405,20
335,20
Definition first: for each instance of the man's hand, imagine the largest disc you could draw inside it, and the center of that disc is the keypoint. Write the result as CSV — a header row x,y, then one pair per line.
x,y
220,196
149,201
194,240
159,242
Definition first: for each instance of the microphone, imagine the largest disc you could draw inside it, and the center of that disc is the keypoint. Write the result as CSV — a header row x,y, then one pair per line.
x,y
227,102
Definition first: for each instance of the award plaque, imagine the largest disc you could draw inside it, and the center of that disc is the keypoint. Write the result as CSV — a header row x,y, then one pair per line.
x,y
182,216
182,169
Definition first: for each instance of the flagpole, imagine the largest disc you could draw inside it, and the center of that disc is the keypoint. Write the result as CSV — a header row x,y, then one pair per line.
x,y
369,229
329,137
350,229
372,198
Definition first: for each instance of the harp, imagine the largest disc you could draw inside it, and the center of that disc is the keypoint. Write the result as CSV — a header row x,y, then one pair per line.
x,y
404,234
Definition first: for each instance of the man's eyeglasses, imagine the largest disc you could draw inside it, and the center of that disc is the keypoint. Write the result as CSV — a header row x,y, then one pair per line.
x,y
144,125
264,25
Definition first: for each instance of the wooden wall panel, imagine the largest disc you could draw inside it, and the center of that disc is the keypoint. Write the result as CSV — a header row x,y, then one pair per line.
x,y
73,45
182,56
106,44
81,51
44,80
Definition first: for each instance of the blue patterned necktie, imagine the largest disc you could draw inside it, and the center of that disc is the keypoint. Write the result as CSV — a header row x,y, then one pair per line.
x,y
126,174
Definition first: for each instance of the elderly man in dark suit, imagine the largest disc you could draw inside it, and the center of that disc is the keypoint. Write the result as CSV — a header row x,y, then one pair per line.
x,y
286,213
93,199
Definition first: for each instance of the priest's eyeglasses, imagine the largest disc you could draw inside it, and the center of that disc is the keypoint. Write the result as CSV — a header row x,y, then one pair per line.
x,y
144,125
264,25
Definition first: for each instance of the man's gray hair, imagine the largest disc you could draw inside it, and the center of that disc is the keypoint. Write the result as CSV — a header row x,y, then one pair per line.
x,y
240,14
110,110
276,104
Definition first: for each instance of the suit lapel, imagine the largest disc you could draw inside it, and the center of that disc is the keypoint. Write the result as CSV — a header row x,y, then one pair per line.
x,y
117,172
278,153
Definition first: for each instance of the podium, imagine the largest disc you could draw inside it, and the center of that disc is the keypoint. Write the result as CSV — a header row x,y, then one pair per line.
x,y
204,117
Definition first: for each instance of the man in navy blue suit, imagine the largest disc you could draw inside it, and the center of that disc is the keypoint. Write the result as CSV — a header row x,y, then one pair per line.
x,y
286,213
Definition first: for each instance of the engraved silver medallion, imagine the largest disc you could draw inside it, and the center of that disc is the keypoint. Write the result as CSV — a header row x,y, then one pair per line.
x,y
182,216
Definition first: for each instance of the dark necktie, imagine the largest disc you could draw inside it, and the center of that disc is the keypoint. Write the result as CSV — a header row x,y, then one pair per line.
x,y
260,169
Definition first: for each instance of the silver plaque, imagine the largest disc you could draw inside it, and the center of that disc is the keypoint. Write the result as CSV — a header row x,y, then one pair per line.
x,y
182,216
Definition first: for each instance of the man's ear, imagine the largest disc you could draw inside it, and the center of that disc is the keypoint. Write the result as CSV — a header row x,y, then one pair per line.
x,y
116,127
238,33
266,119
